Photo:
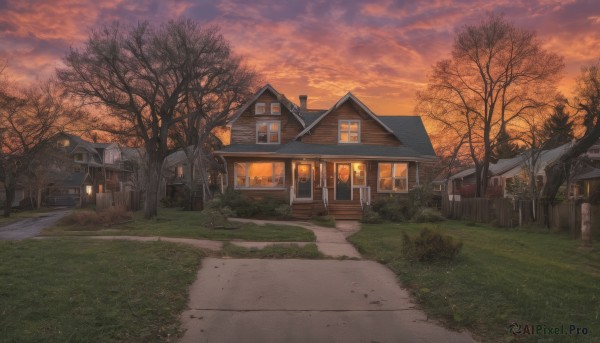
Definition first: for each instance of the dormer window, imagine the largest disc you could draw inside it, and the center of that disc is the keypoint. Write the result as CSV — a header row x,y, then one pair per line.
x,y
268,132
349,131
275,108
260,108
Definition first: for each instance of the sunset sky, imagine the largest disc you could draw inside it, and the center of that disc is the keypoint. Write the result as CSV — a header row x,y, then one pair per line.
x,y
380,50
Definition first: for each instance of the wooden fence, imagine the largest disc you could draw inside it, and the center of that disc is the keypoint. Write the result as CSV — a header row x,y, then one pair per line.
x,y
565,216
130,200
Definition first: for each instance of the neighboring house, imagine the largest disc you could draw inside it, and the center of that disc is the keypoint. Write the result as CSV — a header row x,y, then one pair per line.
x,y
324,161
587,185
79,169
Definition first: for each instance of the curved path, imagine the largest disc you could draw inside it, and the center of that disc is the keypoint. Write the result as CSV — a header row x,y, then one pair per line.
x,y
30,227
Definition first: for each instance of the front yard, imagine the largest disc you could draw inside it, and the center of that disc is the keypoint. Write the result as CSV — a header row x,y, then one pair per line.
x,y
82,290
186,224
501,276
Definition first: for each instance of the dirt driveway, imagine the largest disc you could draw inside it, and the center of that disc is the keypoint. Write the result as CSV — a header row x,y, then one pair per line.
x,y
30,227
251,300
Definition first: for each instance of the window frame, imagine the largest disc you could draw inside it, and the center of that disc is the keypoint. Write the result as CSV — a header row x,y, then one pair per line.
x,y
349,121
379,190
247,178
275,113
264,105
268,123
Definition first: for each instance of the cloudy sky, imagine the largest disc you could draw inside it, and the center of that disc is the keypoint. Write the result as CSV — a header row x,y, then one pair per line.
x,y
380,50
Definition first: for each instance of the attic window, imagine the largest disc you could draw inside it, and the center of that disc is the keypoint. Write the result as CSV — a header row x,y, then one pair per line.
x,y
349,131
259,108
275,108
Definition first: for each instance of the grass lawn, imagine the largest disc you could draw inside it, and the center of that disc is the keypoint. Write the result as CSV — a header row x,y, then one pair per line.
x,y
188,224
500,276
309,251
75,290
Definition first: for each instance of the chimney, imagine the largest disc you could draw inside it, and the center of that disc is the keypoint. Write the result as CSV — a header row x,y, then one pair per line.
x,y
303,100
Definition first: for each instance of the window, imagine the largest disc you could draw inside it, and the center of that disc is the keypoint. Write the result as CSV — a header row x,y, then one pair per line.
x,y
275,108
259,175
349,131
259,108
359,178
393,177
179,172
78,157
267,132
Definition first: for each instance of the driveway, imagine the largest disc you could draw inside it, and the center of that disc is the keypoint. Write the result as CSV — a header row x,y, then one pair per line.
x,y
251,300
30,227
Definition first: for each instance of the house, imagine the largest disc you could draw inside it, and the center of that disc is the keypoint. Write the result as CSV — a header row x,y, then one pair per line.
x,y
78,169
332,161
588,185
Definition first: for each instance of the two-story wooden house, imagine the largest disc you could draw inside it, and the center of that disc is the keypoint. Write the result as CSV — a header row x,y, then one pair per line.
x,y
332,161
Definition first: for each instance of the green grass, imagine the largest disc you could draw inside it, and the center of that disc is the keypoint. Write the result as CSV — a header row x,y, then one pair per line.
x,y
500,276
327,221
188,224
309,251
81,290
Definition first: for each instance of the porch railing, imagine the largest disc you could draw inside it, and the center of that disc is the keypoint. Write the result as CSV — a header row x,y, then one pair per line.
x,y
292,195
325,195
365,196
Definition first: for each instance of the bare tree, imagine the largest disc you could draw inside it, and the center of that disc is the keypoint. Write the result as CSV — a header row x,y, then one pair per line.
x,y
28,119
587,105
496,73
146,77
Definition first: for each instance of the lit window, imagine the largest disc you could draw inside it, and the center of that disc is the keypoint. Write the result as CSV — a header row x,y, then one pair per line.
x,y
259,175
393,177
275,108
180,170
349,131
267,132
259,108
359,178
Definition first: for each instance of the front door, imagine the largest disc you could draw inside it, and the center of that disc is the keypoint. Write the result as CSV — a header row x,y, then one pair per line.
x,y
304,181
343,182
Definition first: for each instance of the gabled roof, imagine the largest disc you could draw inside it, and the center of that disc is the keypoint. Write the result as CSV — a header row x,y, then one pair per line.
x,y
295,110
592,174
411,132
500,167
340,102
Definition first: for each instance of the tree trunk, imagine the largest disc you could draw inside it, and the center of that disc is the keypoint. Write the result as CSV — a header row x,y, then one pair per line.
x,y
152,186
9,187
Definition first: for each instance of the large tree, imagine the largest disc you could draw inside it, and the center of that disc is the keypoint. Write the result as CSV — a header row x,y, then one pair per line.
x,y
495,74
150,79
587,105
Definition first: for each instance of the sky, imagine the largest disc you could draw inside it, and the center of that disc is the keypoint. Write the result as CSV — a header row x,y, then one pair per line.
x,y
382,51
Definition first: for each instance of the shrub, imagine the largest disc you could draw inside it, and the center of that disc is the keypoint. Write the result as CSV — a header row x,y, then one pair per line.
x,y
213,218
242,206
392,208
427,215
283,211
430,246
370,217
421,196
85,218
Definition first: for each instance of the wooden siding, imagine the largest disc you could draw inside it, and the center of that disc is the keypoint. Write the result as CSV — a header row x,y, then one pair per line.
x,y
243,130
371,132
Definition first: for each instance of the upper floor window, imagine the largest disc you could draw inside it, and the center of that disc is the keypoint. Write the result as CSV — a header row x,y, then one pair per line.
x,y
179,171
260,108
393,177
349,131
275,108
79,157
268,132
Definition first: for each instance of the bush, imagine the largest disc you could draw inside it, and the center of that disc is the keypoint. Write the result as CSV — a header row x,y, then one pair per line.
x,y
392,208
421,196
283,211
240,205
323,220
214,218
427,215
85,218
370,217
430,246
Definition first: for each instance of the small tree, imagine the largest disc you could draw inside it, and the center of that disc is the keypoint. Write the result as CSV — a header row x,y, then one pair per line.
x,y
558,128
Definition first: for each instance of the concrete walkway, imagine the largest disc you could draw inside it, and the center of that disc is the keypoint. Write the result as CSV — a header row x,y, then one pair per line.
x,y
31,227
330,241
253,300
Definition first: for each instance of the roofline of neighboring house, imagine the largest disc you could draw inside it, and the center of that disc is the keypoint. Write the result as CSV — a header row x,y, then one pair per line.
x,y
321,156
346,97
279,96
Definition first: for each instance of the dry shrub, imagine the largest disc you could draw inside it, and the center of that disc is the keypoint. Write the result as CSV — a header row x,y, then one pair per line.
x,y
109,216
